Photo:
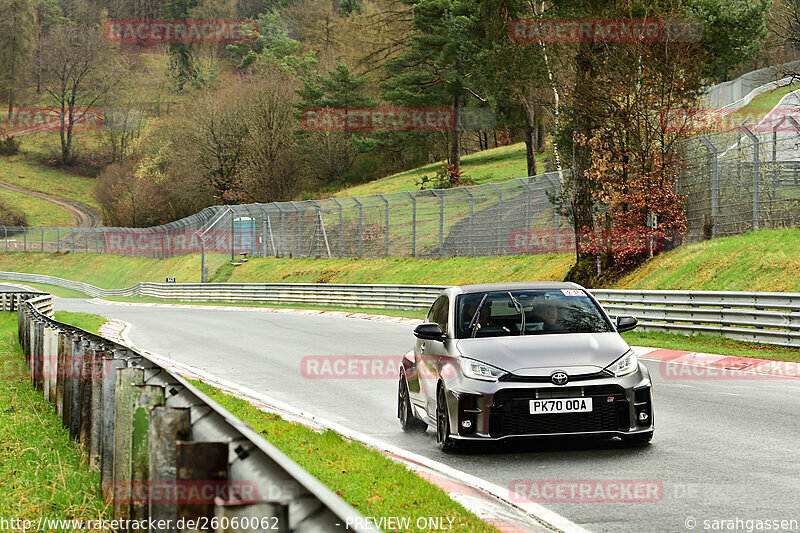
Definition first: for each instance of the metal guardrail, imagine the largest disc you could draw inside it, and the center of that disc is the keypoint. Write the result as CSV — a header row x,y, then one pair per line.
x,y
144,426
381,296
10,301
766,317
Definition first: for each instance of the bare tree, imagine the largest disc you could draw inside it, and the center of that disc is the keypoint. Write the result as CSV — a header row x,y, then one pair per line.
x,y
79,69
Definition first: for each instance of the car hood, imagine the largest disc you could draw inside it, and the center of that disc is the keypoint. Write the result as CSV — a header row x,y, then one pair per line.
x,y
538,355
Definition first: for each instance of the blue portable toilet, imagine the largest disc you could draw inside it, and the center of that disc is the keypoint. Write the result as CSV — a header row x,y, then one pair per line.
x,y
244,235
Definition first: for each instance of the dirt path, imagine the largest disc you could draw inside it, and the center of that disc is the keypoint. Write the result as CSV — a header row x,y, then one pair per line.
x,y
83,215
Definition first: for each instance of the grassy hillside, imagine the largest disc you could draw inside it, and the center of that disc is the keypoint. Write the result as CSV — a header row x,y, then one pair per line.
x,y
496,164
34,177
767,260
39,212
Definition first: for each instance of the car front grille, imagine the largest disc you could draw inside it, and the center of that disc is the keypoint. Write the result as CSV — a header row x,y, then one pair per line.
x,y
510,413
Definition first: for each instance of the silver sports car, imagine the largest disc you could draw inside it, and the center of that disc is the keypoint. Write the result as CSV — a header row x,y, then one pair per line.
x,y
509,360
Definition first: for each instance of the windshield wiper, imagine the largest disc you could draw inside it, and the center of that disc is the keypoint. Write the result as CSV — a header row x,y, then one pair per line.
x,y
473,324
521,312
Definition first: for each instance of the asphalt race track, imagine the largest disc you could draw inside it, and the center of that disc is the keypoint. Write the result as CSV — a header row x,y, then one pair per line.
x,y
723,449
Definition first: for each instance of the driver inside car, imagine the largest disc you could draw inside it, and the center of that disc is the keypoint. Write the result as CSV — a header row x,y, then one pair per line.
x,y
483,317
547,313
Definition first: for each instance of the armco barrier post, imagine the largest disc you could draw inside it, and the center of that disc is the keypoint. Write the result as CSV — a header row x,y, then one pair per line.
x,y
61,359
99,366
84,379
168,425
200,461
126,392
73,383
110,372
149,397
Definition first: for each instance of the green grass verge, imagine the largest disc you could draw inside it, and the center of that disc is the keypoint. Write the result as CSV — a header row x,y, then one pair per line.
x,y
42,471
448,271
85,321
711,344
365,478
767,260
39,212
17,171
493,165
110,272
764,103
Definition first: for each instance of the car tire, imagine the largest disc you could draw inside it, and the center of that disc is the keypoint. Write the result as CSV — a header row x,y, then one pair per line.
x,y
405,412
443,439
638,440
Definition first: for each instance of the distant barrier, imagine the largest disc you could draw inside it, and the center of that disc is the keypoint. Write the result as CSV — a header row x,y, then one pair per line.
x,y
766,317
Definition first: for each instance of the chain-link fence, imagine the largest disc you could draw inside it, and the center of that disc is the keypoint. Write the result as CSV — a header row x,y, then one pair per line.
x,y
727,93
733,181
744,179
511,217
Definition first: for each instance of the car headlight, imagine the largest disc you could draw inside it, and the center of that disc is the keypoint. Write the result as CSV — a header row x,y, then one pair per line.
x,y
627,364
477,370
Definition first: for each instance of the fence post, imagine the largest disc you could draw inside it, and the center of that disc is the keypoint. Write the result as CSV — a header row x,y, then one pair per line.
x,y
360,226
754,140
714,183
58,239
441,221
528,202
299,228
283,233
386,224
471,247
339,205
413,224
42,239
5,231
499,218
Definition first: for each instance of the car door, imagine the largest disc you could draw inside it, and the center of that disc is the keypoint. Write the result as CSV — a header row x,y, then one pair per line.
x,y
429,353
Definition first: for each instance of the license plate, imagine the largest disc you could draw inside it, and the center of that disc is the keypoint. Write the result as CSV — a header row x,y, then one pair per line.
x,y
566,405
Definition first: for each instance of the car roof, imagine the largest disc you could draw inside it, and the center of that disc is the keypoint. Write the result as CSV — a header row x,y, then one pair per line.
x,y
518,286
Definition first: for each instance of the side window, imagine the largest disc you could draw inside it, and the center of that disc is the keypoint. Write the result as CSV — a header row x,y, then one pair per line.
x,y
439,312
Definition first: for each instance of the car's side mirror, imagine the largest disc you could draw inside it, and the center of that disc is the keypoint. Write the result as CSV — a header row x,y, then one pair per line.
x,y
429,332
626,323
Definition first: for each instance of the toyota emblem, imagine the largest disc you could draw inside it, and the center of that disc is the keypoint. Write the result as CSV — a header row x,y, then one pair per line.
x,y
559,378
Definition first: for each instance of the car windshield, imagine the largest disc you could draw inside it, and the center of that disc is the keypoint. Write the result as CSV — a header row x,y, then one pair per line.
x,y
528,312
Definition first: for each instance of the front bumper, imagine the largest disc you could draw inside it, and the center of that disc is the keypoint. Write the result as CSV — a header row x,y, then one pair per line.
x,y
484,411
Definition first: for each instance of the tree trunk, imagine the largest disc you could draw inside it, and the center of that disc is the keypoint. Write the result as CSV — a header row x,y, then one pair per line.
x,y
530,136
581,152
